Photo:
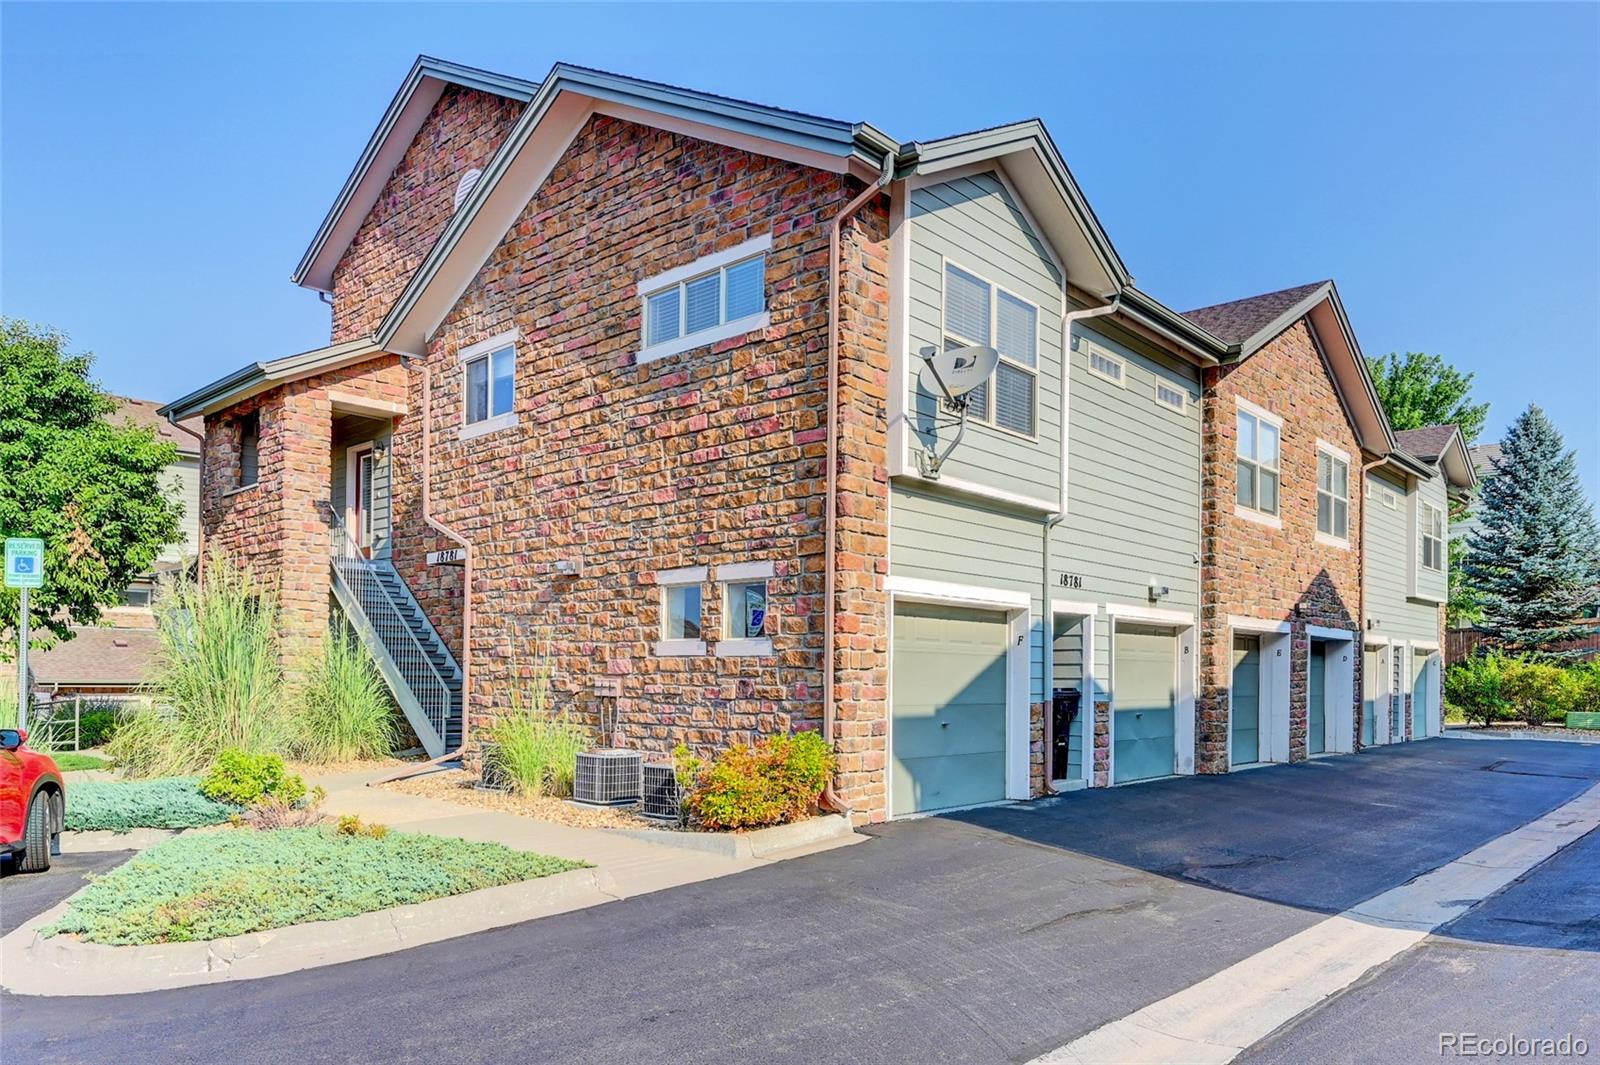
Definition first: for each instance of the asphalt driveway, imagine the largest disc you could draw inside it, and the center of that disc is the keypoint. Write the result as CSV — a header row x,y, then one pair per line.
x,y
992,935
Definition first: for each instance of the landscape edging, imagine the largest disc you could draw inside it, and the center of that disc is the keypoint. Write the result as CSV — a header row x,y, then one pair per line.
x,y
756,843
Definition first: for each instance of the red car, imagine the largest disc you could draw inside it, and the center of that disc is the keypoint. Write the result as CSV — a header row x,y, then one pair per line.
x,y
33,803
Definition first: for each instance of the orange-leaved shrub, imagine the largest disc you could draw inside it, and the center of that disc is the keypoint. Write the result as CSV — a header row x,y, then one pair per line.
x,y
778,780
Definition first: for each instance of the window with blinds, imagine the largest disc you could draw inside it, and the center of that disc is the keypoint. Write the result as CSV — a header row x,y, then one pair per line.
x,y
690,307
980,313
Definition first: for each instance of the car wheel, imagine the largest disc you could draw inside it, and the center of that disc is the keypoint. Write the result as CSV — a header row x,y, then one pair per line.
x,y
36,836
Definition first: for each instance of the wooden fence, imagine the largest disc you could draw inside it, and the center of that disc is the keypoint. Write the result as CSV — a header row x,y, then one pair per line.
x,y
1459,643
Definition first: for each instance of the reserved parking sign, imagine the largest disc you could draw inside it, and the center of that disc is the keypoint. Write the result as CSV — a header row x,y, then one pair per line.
x,y
24,562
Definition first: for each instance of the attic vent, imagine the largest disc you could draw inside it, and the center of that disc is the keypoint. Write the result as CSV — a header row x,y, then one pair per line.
x,y
465,186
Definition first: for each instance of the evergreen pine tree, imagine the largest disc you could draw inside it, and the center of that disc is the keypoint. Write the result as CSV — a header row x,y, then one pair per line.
x,y
1535,560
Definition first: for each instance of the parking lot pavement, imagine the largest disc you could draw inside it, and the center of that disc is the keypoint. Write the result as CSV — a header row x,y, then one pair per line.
x,y
993,935
25,895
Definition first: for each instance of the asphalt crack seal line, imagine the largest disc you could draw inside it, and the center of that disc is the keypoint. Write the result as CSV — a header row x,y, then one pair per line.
x,y
1213,1021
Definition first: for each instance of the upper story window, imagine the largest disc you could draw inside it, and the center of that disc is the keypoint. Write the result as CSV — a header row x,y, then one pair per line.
x,y
249,449
1103,364
489,385
978,313
1168,396
1333,493
1432,521
714,298
1256,450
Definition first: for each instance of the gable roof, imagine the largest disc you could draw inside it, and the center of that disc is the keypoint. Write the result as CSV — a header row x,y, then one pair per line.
x,y
1442,447
188,434
564,101
406,113
257,377
1237,321
109,657
1484,457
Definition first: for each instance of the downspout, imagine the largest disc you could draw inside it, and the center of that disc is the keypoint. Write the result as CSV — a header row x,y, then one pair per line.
x,y
466,582
830,519
1047,650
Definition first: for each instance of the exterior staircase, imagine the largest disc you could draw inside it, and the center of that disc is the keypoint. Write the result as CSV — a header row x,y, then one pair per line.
x,y
413,659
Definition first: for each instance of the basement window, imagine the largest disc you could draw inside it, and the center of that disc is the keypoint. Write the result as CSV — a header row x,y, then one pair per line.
x,y
712,299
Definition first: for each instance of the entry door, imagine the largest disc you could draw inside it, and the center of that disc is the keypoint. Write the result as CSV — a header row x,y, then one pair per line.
x,y
1244,707
949,717
359,504
1144,688
1370,665
1421,697
1317,699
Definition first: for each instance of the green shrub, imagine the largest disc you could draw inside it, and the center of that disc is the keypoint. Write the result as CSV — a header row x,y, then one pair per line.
x,y
1474,686
97,723
778,780
1585,686
216,884
345,712
244,779
120,805
71,761
216,677
1536,691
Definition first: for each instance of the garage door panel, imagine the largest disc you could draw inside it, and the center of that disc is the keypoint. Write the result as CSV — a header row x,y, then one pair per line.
x,y
949,714
1244,704
1317,700
1145,696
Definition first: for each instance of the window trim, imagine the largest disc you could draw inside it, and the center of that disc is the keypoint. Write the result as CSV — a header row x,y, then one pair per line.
x,y
252,418
677,277
995,288
1423,507
1261,414
666,580
1182,393
742,573
1091,349
485,349
1332,539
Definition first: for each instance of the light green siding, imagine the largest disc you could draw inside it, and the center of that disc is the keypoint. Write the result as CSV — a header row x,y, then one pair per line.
x,y
1391,553
974,223
182,480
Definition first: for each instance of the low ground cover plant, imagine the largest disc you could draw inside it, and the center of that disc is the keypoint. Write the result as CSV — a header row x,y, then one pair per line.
x,y
243,779
230,883
344,709
122,805
778,780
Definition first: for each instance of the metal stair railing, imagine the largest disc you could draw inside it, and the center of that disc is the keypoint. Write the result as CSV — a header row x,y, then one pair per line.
x,y
434,695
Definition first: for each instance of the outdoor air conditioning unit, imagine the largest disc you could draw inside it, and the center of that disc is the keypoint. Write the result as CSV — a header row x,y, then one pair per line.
x,y
660,791
609,778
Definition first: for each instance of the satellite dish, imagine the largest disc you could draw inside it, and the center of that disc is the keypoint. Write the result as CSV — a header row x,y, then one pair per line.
x,y
956,371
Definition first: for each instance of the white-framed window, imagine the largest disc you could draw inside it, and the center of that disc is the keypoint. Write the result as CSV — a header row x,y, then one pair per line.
x,y
978,312
714,298
1105,365
1432,522
488,385
1257,442
1333,493
682,629
1171,396
746,608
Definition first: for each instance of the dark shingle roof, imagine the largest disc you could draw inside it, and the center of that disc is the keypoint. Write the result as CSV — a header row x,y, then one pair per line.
x,y
1484,456
98,656
1240,320
1427,443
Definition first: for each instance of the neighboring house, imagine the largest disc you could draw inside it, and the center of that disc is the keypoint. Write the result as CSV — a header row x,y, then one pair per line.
x,y
112,658
626,375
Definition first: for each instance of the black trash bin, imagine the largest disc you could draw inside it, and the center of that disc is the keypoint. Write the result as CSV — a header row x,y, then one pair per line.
x,y
1063,712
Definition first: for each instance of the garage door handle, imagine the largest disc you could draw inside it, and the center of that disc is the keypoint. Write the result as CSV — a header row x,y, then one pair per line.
x,y
944,724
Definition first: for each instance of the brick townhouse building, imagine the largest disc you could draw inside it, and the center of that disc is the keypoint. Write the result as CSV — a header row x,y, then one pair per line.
x,y
623,377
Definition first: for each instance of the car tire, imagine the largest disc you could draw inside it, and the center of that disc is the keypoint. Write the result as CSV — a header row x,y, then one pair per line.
x,y
36,836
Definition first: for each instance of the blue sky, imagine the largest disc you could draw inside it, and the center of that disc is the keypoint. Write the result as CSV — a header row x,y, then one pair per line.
x,y
165,166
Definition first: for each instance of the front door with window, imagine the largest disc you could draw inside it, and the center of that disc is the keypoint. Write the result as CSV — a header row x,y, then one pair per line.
x,y
358,505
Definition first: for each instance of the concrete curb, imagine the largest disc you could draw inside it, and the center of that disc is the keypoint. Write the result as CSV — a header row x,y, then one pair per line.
x,y
759,843
1453,733
61,965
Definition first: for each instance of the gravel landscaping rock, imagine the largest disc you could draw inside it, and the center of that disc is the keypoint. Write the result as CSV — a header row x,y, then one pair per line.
x,y
460,786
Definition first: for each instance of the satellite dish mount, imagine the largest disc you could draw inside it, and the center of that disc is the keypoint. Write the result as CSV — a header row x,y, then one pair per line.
x,y
950,376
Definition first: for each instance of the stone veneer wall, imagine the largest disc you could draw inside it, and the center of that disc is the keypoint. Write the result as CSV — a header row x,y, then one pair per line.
x,y
276,527
1253,569
711,457
463,131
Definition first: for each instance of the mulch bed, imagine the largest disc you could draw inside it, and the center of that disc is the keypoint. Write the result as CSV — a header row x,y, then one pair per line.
x,y
460,786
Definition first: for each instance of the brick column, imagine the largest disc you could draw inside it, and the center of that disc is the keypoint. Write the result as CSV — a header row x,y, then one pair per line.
x,y
305,446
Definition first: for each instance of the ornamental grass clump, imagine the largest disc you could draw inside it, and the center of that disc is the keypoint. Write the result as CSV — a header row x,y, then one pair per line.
x,y
532,747
217,679
778,780
345,712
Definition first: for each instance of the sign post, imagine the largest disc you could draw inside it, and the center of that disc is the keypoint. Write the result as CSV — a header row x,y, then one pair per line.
x,y
24,571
